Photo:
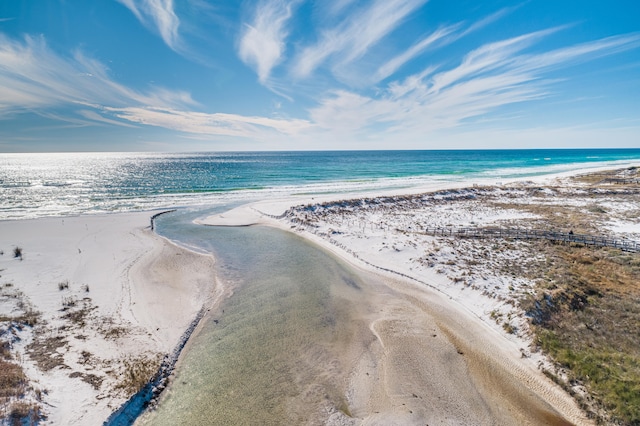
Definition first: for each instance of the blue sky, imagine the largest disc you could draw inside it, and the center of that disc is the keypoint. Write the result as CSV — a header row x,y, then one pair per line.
x,y
183,75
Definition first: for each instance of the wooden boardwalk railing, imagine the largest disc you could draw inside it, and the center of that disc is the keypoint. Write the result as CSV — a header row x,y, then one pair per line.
x,y
621,181
515,233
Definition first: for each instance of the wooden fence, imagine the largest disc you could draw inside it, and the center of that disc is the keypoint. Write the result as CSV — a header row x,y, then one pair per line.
x,y
568,237
621,181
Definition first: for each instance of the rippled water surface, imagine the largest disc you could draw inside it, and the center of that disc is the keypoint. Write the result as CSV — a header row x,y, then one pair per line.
x,y
273,352
36,185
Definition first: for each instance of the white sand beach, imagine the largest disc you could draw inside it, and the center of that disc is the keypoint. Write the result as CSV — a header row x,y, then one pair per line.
x,y
438,357
476,311
111,295
112,298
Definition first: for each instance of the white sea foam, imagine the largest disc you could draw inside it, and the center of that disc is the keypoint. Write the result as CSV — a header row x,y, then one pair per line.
x,y
39,185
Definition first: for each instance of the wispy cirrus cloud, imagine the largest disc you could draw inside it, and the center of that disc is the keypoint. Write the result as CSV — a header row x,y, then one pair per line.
x,y
158,15
33,76
36,80
482,23
390,67
263,40
441,37
491,57
354,35
580,52
337,6
488,78
218,124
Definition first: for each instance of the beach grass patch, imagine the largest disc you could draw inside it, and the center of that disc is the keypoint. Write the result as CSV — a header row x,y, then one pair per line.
x,y
15,387
21,413
45,352
611,376
137,372
12,380
586,316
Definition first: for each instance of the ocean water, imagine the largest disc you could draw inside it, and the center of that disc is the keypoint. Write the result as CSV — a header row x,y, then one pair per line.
x,y
274,349
37,185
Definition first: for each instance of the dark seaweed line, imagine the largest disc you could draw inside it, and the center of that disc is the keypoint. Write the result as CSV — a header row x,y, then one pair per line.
x,y
147,396
155,216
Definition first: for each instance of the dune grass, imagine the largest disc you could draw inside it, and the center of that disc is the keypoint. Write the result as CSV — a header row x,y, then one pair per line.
x,y
585,312
586,316
14,384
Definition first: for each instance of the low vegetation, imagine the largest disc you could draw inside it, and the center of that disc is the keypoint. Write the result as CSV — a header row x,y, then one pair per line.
x,y
15,407
586,315
137,372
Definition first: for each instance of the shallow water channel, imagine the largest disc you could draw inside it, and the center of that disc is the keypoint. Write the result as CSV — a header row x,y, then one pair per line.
x,y
276,349
300,338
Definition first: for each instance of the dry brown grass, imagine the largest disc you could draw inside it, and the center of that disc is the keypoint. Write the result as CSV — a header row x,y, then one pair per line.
x,y
44,351
587,317
13,382
79,317
137,372
586,314
600,178
92,379
14,385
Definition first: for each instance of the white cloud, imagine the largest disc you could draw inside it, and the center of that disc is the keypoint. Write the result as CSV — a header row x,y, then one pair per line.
x,y
491,57
217,124
439,38
492,76
35,79
345,112
94,117
158,15
32,76
263,40
335,7
355,35
580,53
395,63
489,20
441,98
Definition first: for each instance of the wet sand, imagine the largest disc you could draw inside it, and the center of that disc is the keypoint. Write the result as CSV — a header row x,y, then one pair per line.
x,y
312,340
435,364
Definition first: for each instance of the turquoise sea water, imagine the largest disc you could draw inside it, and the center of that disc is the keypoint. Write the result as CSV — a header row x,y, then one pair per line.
x,y
290,299
36,185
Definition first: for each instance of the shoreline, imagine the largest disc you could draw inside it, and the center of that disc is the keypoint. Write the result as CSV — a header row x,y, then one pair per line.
x,y
148,396
111,299
73,249
272,213
506,356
